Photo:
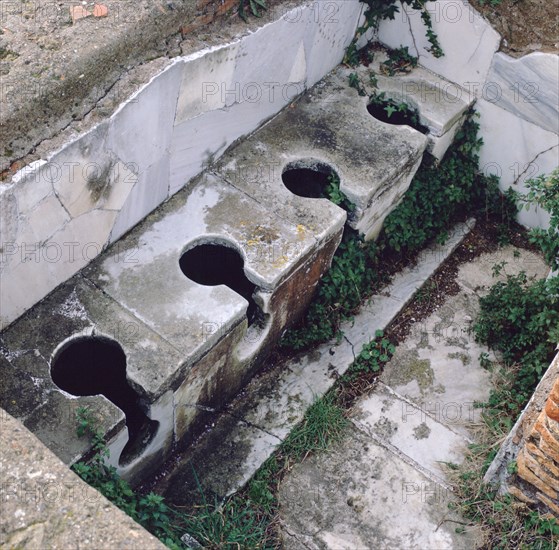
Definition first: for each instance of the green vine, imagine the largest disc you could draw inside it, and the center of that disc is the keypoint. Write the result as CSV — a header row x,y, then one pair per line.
x,y
251,6
439,194
378,10
399,61
544,193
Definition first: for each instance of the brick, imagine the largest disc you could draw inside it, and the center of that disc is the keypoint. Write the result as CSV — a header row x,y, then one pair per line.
x,y
546,449
551,505
226,6
527,475
541,428
200,21
553,428
100,10
544,459
78,12
536,467
554,394
552,410
521,495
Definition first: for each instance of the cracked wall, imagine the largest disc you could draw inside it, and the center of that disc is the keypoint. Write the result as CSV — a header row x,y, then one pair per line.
x,y
61,211
517,99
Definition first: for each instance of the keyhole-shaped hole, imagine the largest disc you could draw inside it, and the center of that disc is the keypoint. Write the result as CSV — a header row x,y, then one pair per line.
x,y
215,264
397,114
308,178
95,365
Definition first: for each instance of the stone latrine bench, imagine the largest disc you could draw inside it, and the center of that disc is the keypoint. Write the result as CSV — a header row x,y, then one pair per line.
x,y
329,130
184,330
166,326
441,105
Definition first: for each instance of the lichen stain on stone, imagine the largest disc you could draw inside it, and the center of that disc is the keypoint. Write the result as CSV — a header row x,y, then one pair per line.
x,y
385,427
465,358
409,368
422,431
99,183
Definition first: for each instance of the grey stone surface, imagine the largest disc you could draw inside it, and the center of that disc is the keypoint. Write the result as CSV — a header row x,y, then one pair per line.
x,y
516,150
440,103
45,505
409,431
213,463
437,367
377,312
77,310
330,126
151,284
55,423
156,126
527,87
359,495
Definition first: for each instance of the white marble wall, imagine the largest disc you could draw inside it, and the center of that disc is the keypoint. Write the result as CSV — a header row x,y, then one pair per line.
x,y
467,39
517,98
516,150
58,214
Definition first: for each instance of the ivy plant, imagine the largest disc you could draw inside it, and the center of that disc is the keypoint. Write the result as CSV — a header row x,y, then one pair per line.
x,y
544,192
251,6
378,10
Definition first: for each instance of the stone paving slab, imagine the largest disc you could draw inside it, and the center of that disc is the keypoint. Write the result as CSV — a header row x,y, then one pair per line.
x,y
437,367
393,420
361,496
329,125
403,286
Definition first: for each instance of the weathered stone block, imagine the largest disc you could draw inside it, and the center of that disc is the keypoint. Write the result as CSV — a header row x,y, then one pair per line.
x,y
79,312
329,128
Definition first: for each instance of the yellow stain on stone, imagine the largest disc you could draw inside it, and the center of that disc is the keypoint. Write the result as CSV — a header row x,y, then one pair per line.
x,y
301,231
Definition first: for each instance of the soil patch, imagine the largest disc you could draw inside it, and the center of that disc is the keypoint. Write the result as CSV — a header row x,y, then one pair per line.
x,y
525,25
